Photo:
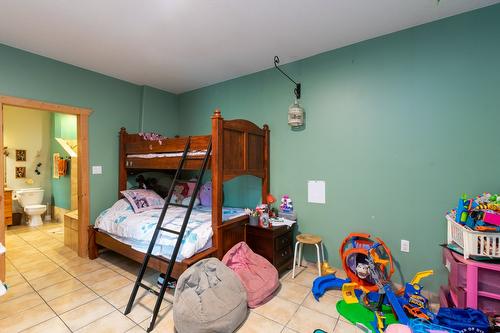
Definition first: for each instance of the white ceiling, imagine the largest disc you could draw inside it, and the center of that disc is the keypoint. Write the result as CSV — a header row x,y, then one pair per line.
x,y
180,45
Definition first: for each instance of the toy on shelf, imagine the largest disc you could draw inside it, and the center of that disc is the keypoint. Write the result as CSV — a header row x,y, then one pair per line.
x,y
286,208
481,213
475,226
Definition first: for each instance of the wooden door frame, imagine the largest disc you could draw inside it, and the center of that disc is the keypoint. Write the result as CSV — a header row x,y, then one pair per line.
x,y
82,115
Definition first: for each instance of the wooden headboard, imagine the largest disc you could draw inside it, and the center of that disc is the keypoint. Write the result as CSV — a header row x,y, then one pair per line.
x,y
239,147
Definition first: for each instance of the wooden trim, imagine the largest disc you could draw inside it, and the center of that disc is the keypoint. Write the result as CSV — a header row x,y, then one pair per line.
x,y
83,183
83,170
217,178
122,160
44,106
2,213
265,179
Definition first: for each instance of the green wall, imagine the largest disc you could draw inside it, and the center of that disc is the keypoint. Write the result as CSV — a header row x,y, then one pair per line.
x,y
115,103
166,123
398,127
63,126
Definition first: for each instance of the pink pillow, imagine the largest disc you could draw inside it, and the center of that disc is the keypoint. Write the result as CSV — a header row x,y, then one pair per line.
x,y
143,200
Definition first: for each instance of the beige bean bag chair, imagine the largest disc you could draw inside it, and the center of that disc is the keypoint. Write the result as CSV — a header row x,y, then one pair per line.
x,y
209,298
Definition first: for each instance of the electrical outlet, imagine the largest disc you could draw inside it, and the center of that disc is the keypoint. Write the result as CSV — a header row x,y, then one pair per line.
x,y
405,245
96,169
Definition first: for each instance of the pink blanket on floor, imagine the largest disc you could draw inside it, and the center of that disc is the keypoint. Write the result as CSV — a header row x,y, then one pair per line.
x,y
258,276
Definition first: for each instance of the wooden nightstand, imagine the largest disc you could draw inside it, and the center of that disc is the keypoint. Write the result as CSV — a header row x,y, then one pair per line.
x,y
274,244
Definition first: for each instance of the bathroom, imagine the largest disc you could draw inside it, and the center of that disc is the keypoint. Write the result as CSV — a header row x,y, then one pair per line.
x,y
41,180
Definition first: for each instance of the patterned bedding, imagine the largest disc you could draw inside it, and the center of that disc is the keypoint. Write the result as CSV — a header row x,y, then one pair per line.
x,y
136,229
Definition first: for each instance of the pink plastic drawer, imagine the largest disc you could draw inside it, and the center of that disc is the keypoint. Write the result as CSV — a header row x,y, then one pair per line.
x,y
488,305
444,298
458,271
487,279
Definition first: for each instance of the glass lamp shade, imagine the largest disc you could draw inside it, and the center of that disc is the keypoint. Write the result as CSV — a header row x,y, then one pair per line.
x,y
295,115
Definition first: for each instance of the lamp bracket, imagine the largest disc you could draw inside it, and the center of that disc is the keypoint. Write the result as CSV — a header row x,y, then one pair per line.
x,y
297,89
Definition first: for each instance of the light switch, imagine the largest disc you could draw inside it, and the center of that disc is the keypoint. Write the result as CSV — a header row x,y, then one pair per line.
x,y
405,245
97,169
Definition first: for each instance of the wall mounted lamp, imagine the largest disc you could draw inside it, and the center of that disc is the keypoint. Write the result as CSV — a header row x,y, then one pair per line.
x,y
295,111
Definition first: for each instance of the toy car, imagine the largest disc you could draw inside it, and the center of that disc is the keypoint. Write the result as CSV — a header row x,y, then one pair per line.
x,y
415,312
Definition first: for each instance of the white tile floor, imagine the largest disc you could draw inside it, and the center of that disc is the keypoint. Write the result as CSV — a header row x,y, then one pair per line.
x,y
52,290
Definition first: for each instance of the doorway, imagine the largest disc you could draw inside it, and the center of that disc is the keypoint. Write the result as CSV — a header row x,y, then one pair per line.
x,y
82,186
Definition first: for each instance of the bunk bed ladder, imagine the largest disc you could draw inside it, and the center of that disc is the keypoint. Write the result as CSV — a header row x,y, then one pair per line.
x,y
180,234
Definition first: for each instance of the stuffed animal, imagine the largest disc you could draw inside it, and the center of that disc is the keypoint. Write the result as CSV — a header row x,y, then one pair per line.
x,y
181,191
206,194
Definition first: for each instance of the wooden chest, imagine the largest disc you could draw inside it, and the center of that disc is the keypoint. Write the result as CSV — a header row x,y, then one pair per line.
x,y
275,244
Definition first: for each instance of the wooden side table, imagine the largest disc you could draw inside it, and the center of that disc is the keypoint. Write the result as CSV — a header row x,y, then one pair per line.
x,y
274,244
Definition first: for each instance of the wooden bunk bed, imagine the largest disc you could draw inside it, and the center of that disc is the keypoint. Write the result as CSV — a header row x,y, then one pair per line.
x,y
239,147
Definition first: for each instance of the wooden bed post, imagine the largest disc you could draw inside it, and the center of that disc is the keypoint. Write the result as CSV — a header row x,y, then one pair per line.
x,y
217,178
122,168
265,179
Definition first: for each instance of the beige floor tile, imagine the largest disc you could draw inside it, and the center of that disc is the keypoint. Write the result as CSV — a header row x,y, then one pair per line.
x,y
119,298
137,329
334,292
26,319
293,292
143,307
60,289
82,269
304,278
48,280
306,321
18,304
344,327
113,283
277,309
30,262
72,300
327,305
164,322
17,291
256,323
14,280
54,325
288,330
86,313
115,322
340,273
97,276
41,271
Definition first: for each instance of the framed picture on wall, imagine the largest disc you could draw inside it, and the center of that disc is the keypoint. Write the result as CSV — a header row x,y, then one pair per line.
x,y
20,172
20,155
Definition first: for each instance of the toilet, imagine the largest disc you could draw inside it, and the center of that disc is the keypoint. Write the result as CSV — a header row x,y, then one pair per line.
x,y
31,199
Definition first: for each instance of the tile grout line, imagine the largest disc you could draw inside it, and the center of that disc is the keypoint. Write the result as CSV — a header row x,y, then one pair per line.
x,y
76,278
36,291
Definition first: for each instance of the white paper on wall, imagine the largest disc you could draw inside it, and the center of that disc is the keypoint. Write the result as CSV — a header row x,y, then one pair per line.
x,y
316,191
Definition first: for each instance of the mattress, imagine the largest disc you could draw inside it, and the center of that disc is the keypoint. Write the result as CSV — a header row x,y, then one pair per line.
x,y
136,229
179,154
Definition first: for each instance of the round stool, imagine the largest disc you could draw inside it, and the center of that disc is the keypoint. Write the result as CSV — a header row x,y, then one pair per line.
x,y
309,240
